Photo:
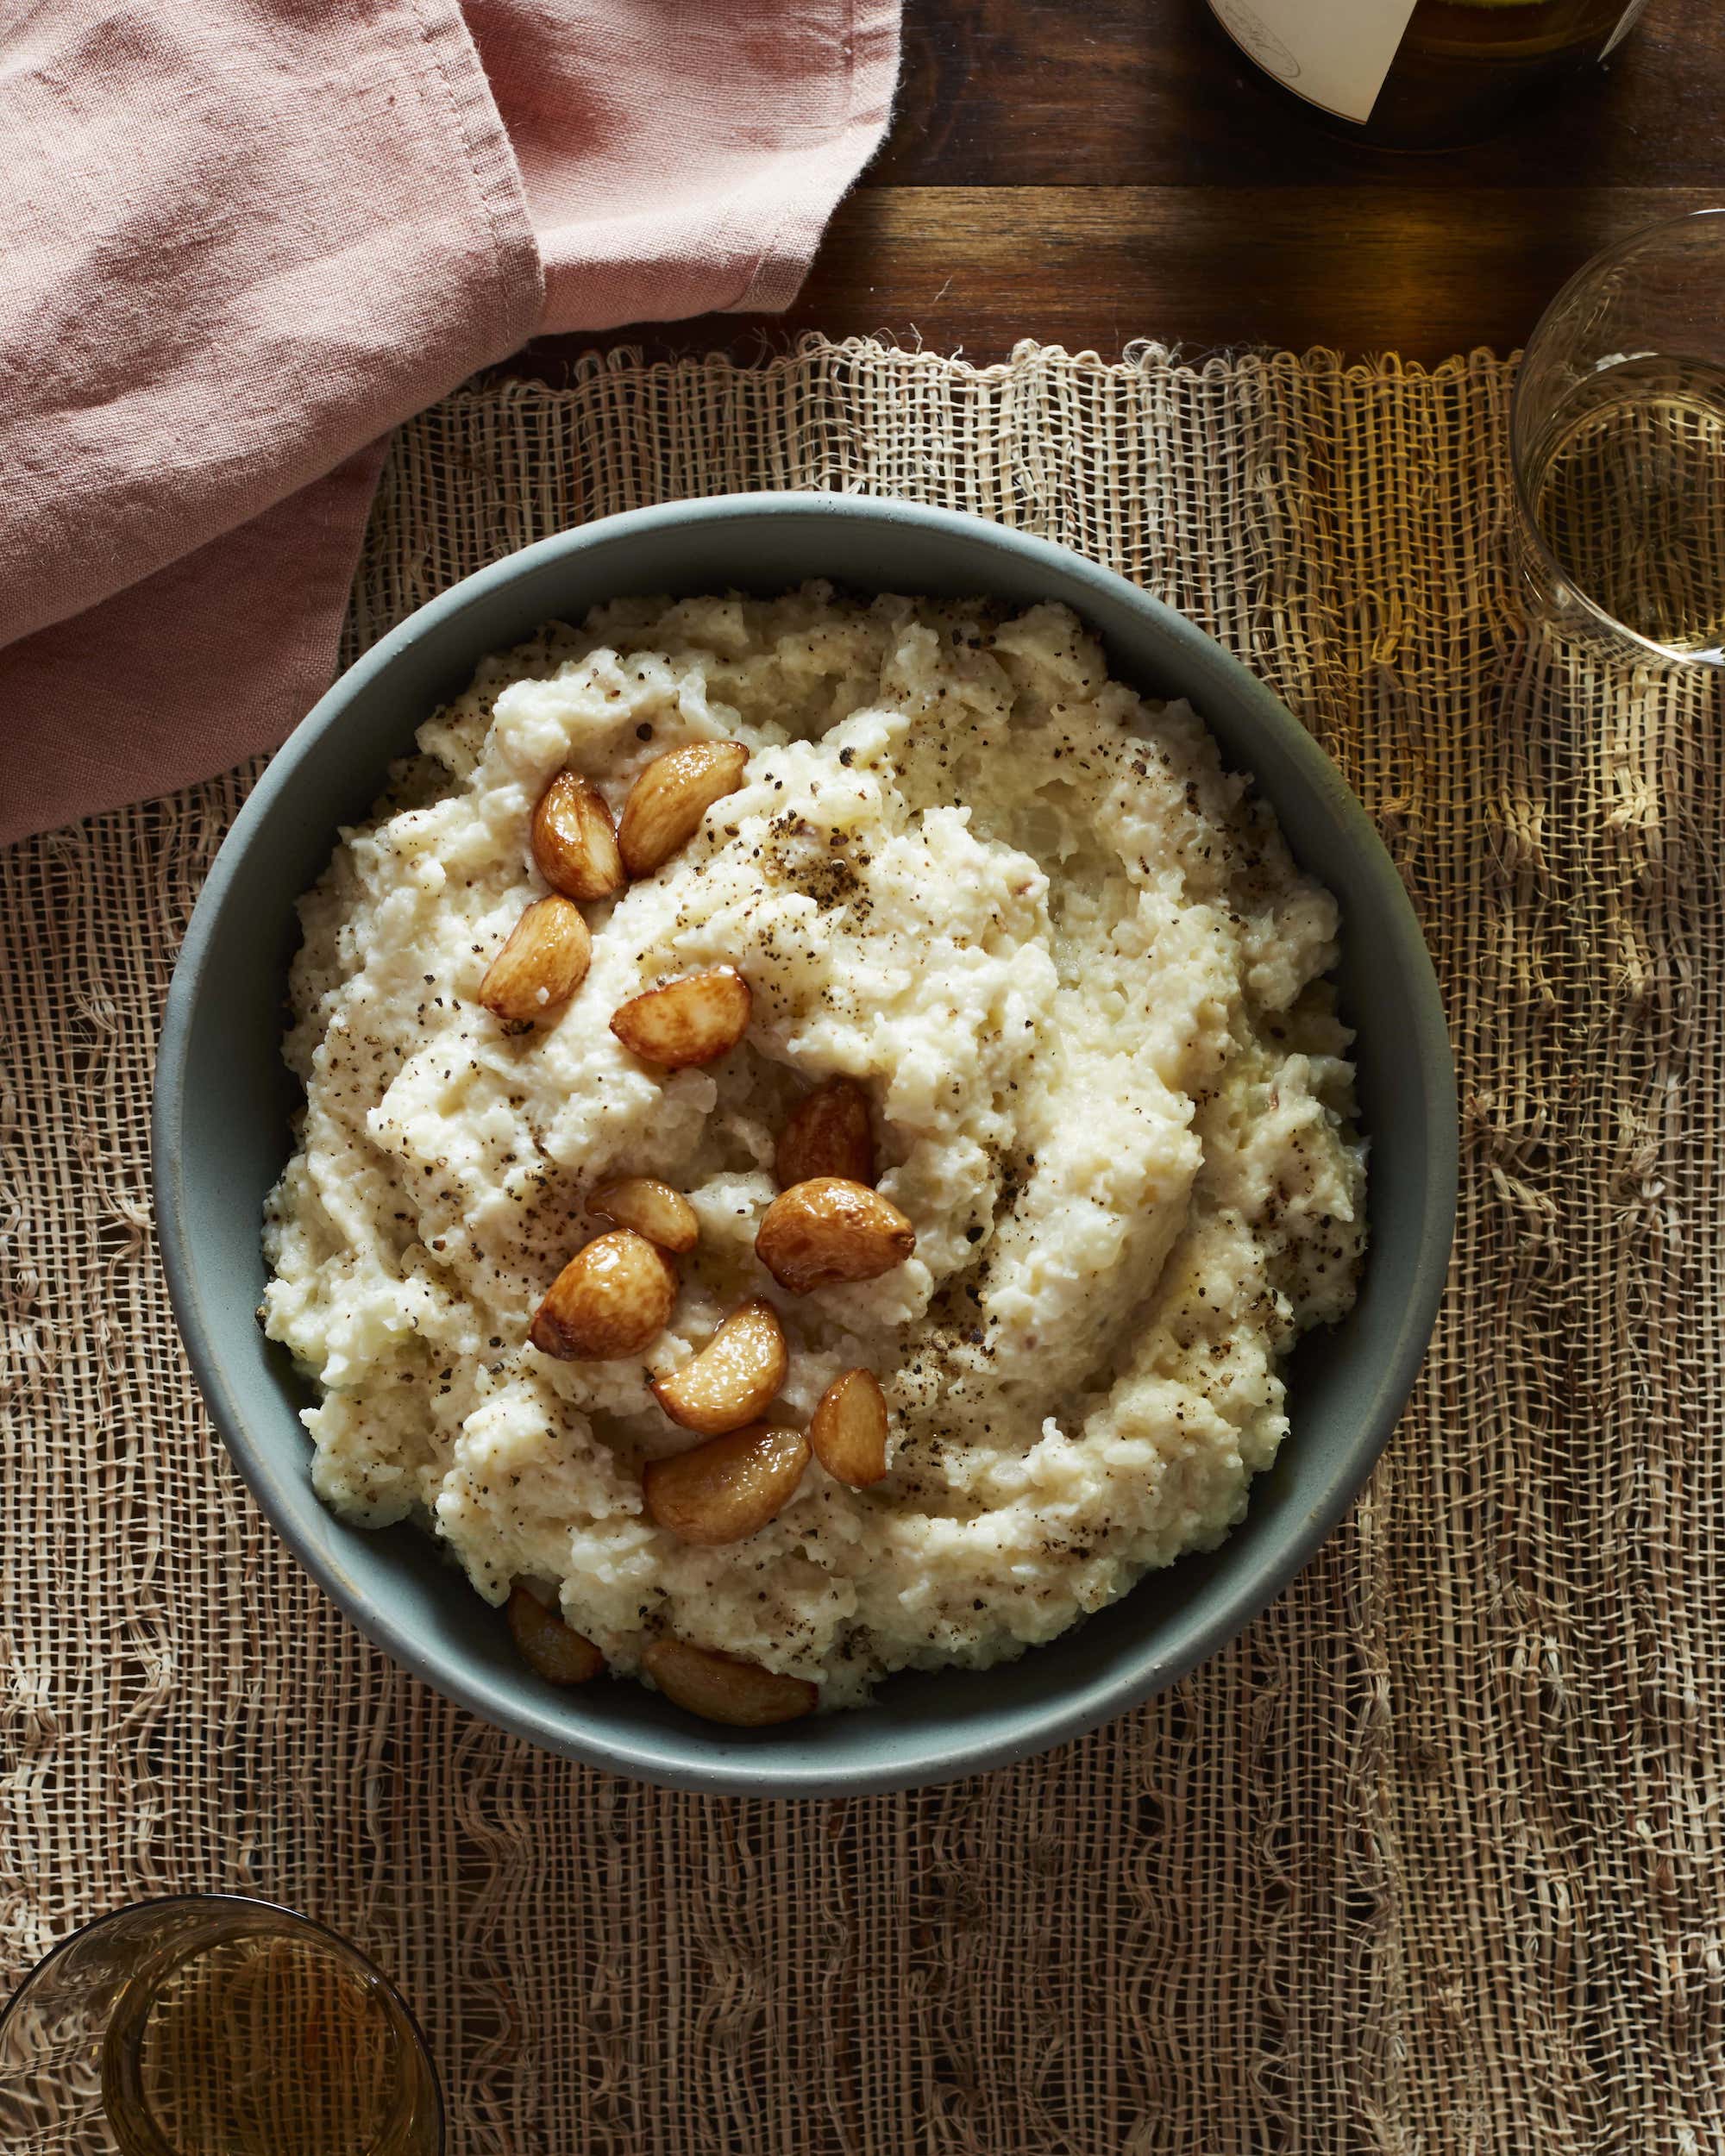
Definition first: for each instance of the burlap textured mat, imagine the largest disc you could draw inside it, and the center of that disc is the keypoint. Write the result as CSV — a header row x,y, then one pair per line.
x,y
1429,1861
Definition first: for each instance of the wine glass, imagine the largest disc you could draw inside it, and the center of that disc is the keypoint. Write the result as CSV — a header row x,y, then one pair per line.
x,y
1617,440
211,2025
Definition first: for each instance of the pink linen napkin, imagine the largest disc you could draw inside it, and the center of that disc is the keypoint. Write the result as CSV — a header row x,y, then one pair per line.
x,y
240,240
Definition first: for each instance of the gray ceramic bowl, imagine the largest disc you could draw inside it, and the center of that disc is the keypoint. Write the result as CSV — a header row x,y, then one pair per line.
x,y
223,1096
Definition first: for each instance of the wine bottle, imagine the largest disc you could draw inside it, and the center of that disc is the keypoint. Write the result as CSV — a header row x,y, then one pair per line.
x,y
1421,74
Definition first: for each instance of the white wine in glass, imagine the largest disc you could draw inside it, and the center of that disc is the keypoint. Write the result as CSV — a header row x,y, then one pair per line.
x,y
1422,74
212,2025
1625,487
1617,446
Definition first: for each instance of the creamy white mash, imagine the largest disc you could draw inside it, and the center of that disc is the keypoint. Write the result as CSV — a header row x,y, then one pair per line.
x,y
1068,956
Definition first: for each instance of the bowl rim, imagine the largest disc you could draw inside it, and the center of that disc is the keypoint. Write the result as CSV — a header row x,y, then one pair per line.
x,y
1134,1676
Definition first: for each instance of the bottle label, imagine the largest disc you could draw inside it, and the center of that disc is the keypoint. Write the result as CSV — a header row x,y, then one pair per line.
x,y
1631,16
1335,55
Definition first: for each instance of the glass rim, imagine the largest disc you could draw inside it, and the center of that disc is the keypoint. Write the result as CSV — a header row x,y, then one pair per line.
x,y
193,1901
1601,618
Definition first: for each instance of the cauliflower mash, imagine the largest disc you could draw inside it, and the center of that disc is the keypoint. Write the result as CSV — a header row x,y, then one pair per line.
x,y
1067,958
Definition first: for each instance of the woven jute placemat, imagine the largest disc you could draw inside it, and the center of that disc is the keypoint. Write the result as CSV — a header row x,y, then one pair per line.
x,y
1430,1860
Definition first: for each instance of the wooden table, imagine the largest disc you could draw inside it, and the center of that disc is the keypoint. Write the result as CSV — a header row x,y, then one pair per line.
x,y
1090,172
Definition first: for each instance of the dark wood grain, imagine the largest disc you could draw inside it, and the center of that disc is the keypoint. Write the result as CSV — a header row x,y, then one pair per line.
x,y
1425,272
1092,171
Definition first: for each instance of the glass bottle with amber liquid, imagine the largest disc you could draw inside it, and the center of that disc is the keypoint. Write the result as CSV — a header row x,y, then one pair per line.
x,y
1422,74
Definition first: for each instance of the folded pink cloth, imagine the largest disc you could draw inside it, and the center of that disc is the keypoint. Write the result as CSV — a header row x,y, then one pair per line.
x,y
240,240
